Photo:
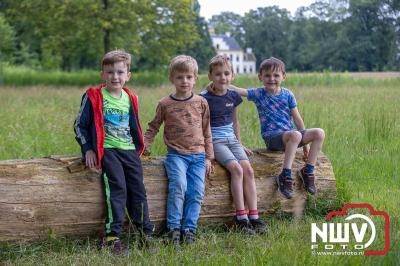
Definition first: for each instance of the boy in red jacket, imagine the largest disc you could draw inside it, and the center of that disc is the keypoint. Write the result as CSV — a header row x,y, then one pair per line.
x,y
107,129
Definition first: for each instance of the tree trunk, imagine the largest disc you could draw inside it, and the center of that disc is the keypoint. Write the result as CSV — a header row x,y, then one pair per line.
x,y
58,196
106,31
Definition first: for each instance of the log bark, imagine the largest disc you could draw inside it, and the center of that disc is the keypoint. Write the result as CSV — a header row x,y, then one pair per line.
x,y
59,196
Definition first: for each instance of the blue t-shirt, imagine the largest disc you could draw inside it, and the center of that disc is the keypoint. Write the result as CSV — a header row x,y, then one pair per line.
x,y
221,112
274,111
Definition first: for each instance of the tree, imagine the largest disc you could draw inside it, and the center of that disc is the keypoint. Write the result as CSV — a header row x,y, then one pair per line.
x,y
266,30
75,34
366,32
166,26
371,30
7,40
202,50
228,22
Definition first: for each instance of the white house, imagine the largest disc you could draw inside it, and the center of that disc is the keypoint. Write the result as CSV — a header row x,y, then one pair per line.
x,y
244,62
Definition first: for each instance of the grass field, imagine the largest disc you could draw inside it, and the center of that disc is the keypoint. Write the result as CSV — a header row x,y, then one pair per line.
x,y
362,125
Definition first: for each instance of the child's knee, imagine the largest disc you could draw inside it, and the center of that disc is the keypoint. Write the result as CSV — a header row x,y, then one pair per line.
x,y
319,134
235,169
322,133
294,136
248,172
177,186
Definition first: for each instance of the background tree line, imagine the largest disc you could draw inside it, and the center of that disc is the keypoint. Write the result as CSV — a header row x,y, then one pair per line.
x,y
354,35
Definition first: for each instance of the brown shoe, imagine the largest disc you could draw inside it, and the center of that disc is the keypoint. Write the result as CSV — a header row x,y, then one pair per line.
x,y
285,186
308,181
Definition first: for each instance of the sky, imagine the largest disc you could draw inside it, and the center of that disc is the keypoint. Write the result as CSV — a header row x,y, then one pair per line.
x,y
215,7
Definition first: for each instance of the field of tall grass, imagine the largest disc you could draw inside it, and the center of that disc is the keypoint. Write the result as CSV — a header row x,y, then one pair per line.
x,y
362,125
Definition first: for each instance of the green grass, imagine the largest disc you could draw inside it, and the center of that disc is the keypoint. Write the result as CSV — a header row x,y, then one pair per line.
x,y
362,127
21,76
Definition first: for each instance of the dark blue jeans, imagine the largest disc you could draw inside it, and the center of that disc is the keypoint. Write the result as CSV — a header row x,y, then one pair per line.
x,y
124,188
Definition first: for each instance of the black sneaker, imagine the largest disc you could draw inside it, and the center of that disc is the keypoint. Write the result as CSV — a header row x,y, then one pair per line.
x,y
188,236
148,242
244,226
308,181
285,186
259,226
114,246
147,239
174,236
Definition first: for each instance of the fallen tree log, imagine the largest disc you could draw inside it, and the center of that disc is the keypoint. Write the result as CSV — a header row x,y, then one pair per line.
x,y
59,196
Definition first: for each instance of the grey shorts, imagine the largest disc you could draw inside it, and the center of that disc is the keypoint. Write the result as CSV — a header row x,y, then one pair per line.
x,y
275,142
228,149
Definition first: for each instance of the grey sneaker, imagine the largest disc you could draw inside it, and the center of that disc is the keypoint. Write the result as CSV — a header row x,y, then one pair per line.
x,y
174,236
188,236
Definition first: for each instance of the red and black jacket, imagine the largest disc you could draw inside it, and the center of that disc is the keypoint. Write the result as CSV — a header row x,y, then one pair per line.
x,y
89,124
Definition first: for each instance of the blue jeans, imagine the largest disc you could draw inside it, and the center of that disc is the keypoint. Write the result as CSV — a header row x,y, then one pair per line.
x,y
186,173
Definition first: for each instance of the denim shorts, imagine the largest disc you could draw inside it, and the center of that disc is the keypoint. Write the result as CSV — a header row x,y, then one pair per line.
x,y
228,149
275,142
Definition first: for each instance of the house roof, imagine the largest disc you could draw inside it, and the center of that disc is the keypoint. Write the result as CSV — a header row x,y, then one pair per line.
x,y
230,41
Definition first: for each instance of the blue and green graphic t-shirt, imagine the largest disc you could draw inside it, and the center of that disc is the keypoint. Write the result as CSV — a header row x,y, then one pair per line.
x,y
116,121
274,111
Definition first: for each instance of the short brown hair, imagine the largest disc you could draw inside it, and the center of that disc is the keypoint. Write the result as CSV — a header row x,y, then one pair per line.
x,y
220,60
183,63
272,64
116,56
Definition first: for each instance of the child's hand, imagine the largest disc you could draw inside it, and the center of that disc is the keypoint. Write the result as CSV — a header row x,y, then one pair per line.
x,y
146,152
306,149
209,167
91,159
247,151
210,87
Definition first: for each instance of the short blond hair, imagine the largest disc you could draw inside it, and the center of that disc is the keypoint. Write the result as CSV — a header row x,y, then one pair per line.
x,y
272,64
116,56
183,63
220,60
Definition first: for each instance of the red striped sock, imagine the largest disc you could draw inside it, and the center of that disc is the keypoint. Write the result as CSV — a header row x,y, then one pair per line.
x,y
253,214
241,214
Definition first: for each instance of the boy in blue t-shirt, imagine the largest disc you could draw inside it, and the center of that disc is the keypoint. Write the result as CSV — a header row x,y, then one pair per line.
x,y
276,108
228,150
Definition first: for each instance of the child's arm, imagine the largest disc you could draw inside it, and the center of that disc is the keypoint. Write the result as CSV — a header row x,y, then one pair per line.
x,y
208,146
154,127
298,121
236,129
82,134
242,92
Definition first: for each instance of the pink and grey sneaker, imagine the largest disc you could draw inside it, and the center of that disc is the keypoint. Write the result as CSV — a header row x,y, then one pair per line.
x,y
285,185
308,181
